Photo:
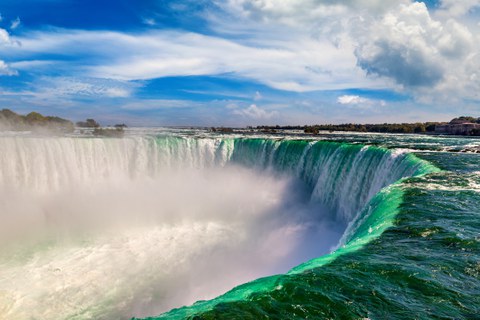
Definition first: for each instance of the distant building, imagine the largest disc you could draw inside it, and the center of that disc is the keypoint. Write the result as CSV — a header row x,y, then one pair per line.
x,y
458,128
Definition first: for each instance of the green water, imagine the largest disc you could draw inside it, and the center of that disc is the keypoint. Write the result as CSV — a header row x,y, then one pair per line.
x,y
409,206
425,266
412,251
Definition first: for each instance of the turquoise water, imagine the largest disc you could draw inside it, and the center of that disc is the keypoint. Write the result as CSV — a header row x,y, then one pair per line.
x,y
412,252
114,228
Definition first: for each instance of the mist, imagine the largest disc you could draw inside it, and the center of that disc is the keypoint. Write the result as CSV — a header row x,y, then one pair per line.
x,y
119,246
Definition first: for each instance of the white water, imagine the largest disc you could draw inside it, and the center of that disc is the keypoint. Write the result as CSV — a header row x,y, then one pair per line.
x,y
105,228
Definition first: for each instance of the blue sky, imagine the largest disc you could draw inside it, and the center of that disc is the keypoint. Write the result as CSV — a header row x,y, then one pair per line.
x,y
241,62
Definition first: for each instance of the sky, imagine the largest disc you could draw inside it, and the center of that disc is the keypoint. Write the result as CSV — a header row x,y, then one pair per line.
x,y
241,62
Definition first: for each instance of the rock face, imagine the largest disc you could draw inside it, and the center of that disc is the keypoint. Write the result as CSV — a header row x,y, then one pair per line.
x,y
34,121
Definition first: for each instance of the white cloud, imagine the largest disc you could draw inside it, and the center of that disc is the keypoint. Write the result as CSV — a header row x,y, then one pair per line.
x,y
155,104
149,21
418,52
362,104
301,12
293,45
5,41
402,45
15,23
351,99
398,42
231,106
256,113
33,64
82,87
5,69
457,8
282,63
4,37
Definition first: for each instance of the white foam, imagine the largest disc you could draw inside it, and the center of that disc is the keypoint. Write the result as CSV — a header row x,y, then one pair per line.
x,y
122,247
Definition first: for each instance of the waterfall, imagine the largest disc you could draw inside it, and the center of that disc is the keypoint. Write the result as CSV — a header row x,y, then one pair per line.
x,y
341,176
156,222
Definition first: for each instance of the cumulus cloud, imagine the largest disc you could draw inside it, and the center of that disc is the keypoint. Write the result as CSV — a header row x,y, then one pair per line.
x,y
359,102
4,37
299,12
458,8
407,45
256,113
5,40
351,99
401,43
5,69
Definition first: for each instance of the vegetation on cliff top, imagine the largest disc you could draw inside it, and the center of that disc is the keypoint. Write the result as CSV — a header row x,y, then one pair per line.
x,y
115,132
89,123
34,121
418,127
385,127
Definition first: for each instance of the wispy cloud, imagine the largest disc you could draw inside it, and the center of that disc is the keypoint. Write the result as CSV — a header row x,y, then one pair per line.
x,y
84,87
149,21
15,23
280,64
256,113
159,104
